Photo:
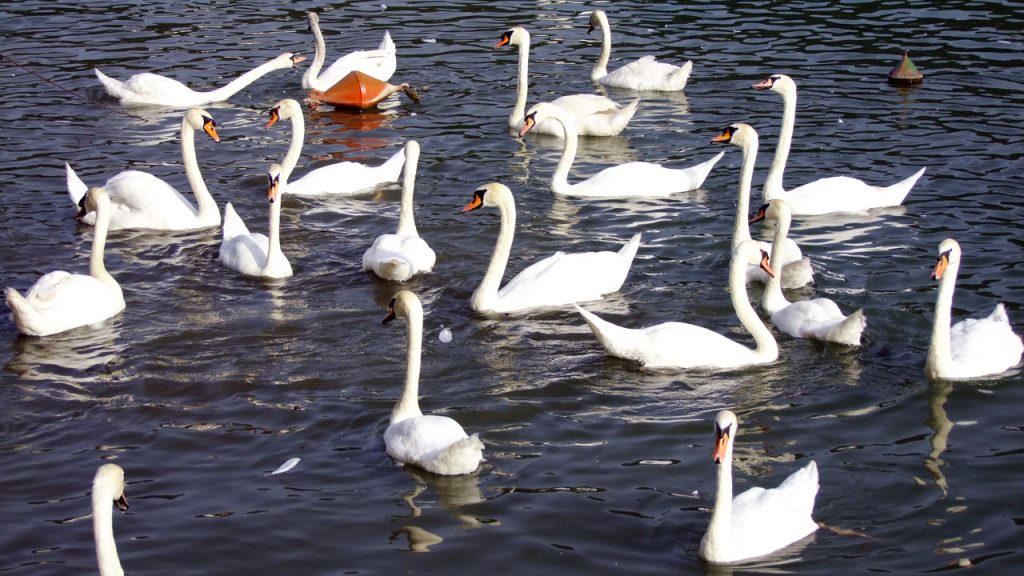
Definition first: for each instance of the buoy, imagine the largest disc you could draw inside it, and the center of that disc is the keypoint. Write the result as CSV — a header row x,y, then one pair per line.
x,y
358,90
906,72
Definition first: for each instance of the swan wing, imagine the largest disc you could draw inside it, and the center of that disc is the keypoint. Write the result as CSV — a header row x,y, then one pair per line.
x,y
60,301
149,88
346,177
380,63
241,250
820,319
399,257
436,443
845,194
986,345
647,73
644,179
765,520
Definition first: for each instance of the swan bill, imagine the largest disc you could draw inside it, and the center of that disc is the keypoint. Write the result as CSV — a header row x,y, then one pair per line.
x,y
476,202
210,127
273,187
506,38
941,265
529,122
721,443
761,214
297,58
765,84
122,503
391,312
726,135
275,115
766,264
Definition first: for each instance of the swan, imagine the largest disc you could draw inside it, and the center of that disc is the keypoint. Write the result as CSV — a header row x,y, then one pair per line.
x,y
645,73
107,487
623,180
149,88
818,319
379,63
556,280
795,270
594,115
334,179
60,301
254,254
679,345
758,521
437,444
404,254
834,194
141,200
972,348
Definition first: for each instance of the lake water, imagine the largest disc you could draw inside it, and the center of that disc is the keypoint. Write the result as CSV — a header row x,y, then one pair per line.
x,y
208,380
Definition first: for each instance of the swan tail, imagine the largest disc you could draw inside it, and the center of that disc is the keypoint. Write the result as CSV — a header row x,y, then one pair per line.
x,y
24,316
700,171
849,330
678,78
898,191
628,250
803,486
113,87
461,457
76,188
392,167
387,43
395,268
999,314
233,224
613,338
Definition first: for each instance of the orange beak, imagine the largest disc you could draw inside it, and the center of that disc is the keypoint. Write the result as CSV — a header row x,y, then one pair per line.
x,y
725,136
940,266
763,84
211,129
274,117
474,204
762,213
272,190
721,443
766,264
505,39
528,123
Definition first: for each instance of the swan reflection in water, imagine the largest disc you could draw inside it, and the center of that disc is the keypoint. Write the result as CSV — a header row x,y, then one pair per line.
x,y
938,394
454,493
83,355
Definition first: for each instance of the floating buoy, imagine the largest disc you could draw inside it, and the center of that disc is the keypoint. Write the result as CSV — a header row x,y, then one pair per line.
x,y
906,72
358,90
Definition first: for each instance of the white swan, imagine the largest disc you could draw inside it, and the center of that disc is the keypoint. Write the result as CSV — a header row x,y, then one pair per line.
x,y
972,348
679,345
796,270
141,200
404,254
60,301
623,180
834,194
557,280
107,487
642,74
758,521
338,178
149,88
379,63
254,254
594,115
437,444
817,319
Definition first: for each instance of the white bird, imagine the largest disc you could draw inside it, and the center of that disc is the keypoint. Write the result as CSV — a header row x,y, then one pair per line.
x,y
972,348
141,200
404,254
254,254
149,88
379,63
60,301
437,444
796,270
557,280
758,521
833,194
679,345
817,319
623,180
594,115
645,73
107,487
339,178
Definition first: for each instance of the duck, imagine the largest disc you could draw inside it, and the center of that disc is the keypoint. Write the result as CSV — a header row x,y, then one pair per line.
x,y
594,115
380,63
339,178
632,179
437,444
759,521
826,195
149,88
60,301
679,345
558,280
140,200
644,73
795,269
107,487
817,319
971,348
402,255
253,254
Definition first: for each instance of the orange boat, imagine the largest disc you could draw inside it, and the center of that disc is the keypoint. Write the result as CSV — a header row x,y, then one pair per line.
x,y
358,90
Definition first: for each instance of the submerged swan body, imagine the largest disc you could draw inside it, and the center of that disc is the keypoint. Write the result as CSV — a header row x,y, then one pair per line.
x,y
971,348
379,63
437,444
758,521
557,280
645,73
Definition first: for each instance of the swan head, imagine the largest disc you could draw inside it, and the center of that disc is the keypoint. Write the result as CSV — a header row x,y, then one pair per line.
x,y
776,83
200,119
284,110
775,209
288,60
489,195
403,305
314,20
515,36
109,483
597,17
538,113
274,182
725,432
96,198
750,252
949,253
742,135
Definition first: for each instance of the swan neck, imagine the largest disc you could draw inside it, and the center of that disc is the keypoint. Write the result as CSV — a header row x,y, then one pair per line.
x,y
719,533
772,300
97,268
406,218
741,228
291,157
773,183
274,232
519,109
236,85
310,77
206,206
408,405
103,533
939,351
601,67
560,177
767,349
487,292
